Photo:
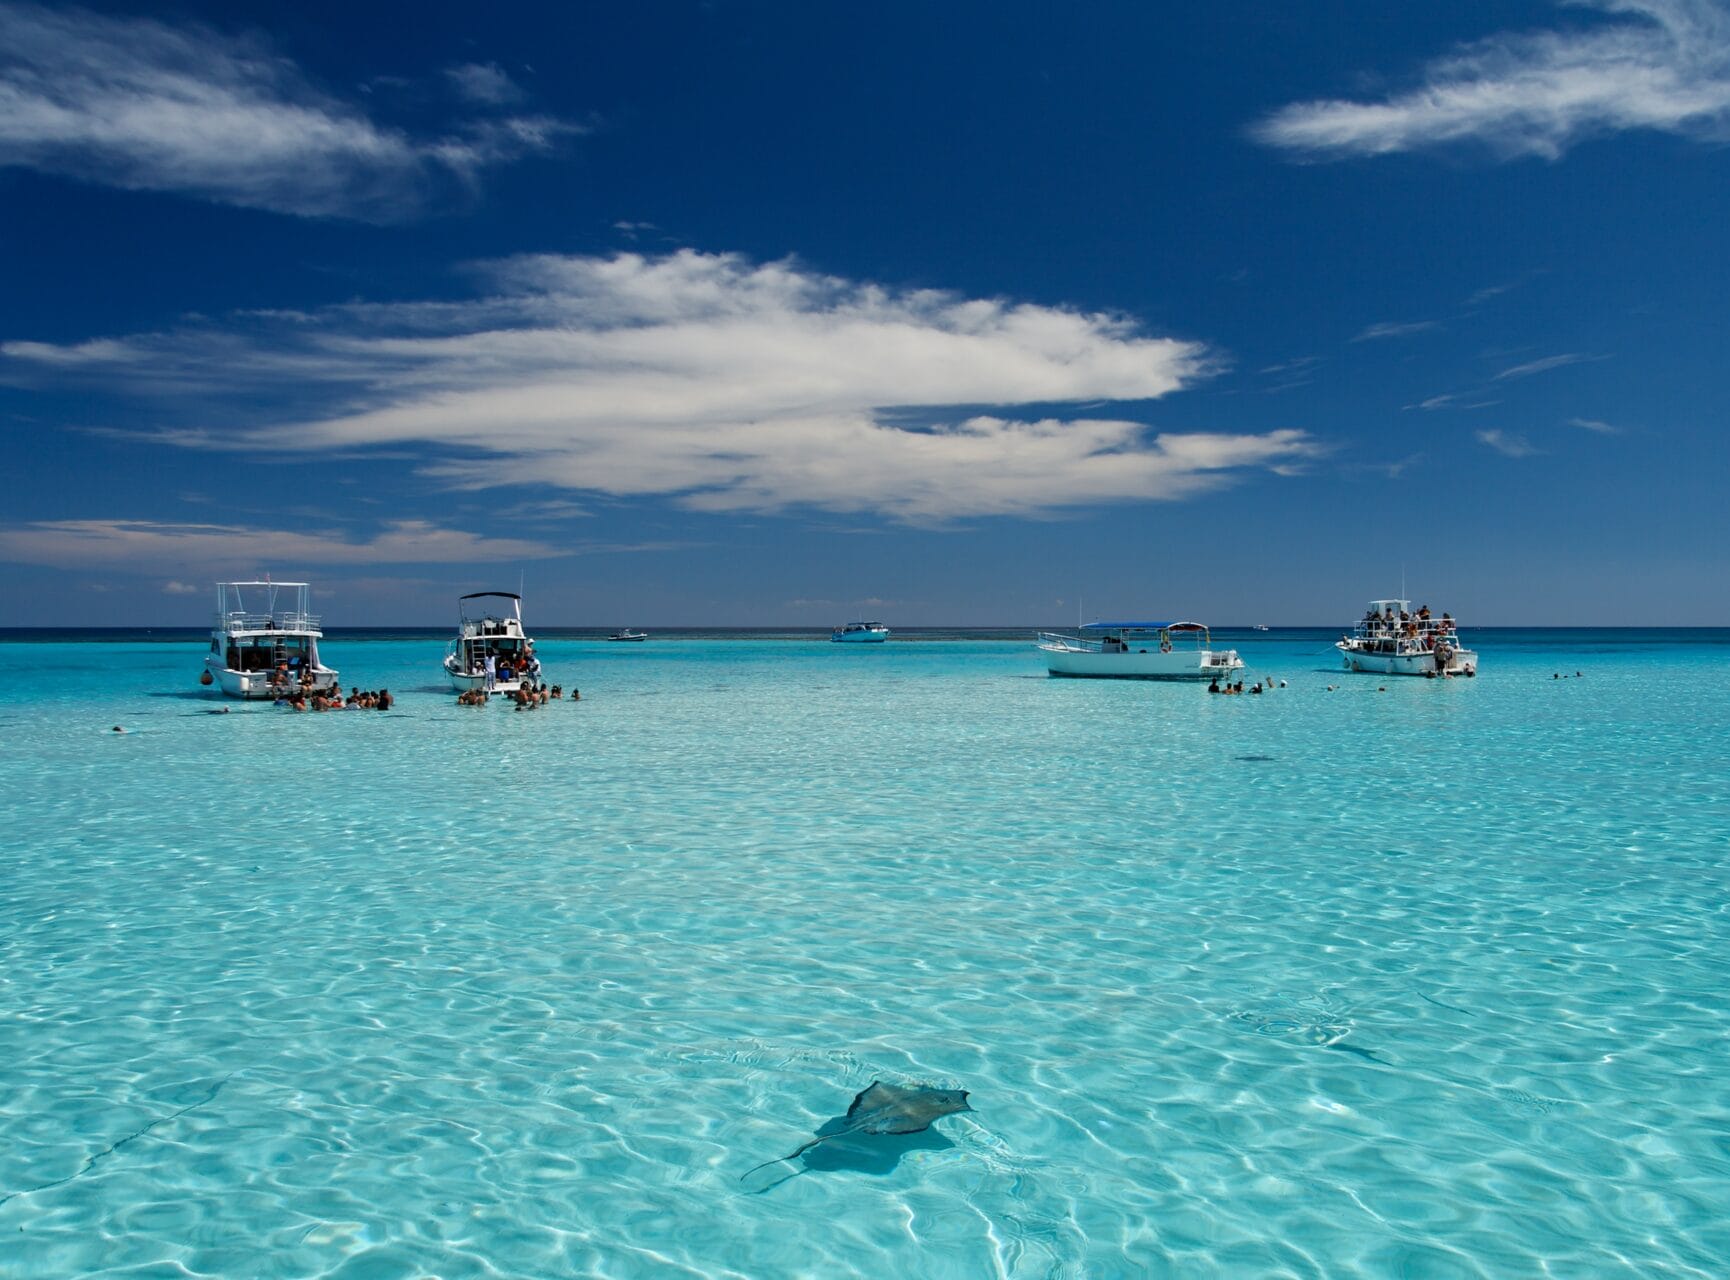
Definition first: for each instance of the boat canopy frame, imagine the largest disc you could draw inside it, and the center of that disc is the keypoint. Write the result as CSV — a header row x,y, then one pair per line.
x,y
237,612
465,618
1144,626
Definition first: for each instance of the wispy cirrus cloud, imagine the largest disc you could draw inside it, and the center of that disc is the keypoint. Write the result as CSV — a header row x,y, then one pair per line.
x,y
725,384
1395,329
1454,400
1595,426
1508,444
145,544
1531,367
1658,64
485,82
147,105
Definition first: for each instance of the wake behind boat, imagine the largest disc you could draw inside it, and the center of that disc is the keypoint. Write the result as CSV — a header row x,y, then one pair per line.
x,y
1138,651
261,650
490,650
1392,640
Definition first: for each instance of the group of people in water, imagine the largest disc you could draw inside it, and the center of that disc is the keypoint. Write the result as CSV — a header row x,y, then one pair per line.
x,y
332,700
1214,686
525,697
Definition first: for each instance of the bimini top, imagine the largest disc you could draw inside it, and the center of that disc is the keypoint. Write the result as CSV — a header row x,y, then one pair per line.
x,y
481,595
1144,626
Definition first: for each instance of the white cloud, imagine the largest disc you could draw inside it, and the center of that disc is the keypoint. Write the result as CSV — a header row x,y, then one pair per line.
x,y
1395,329
1540,366
1490,291
733,386
143,105
1508,444
1595,426
484,82
1662,64
1454,400
179,589
87,544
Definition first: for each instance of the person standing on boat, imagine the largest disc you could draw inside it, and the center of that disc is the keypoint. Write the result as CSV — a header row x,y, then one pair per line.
x,y
492,672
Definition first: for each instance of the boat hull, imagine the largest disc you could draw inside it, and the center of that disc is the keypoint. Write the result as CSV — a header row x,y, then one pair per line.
x,y
858,637
1405,664
1138,665
465,683
256,685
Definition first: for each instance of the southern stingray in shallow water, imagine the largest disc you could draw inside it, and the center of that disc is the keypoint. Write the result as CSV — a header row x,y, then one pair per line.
x,y
885,1108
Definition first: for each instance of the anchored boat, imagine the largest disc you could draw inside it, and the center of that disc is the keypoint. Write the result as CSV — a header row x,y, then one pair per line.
x,y
490,650
265,643
860,633
1138,651
1391,640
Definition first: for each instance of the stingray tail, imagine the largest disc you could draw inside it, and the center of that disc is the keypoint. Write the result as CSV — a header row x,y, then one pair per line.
x,y
783,1159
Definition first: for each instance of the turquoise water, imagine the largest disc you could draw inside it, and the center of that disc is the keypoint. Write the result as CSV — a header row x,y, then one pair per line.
x,y
1423,983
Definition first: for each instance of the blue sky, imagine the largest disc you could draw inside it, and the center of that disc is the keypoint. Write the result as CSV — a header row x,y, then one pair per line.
x,y
776,314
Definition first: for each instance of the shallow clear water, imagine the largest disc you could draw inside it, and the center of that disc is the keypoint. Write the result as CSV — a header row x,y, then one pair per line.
x,y
1426,982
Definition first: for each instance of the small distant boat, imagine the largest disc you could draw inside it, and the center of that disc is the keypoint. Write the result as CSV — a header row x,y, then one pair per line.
x,y
490,650
1138,651
1391,640
628,634
860,633
260,650
1260,626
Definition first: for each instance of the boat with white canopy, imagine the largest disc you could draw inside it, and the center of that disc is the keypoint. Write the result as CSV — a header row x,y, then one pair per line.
x,y
1393,640
264,643
860,633
1138,651
490,650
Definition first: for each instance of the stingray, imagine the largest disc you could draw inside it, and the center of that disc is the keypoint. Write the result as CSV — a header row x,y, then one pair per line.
x,y
885,1108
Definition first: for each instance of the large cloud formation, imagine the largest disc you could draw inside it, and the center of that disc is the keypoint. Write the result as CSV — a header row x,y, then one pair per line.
x,y
726,384
1665,66
159,545
143,105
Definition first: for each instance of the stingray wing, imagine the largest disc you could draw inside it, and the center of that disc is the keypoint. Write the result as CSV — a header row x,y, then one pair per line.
x,y
873,1098
888,1108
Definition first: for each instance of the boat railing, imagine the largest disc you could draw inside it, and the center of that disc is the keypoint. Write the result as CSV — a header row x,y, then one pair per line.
x,y
1130,642
281,621
1070,644
1410,635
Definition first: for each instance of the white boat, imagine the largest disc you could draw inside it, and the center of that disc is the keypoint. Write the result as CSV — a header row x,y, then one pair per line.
x,y
860,633
1138,651
490,650
628,634
265,643
1391,640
